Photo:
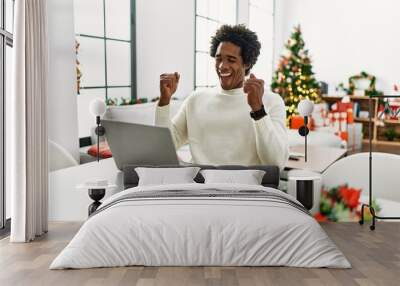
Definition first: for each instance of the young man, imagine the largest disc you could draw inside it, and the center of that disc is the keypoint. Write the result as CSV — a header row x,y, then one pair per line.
x,y
236,122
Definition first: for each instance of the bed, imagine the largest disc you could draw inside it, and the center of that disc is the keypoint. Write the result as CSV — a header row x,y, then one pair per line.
x,y
201,224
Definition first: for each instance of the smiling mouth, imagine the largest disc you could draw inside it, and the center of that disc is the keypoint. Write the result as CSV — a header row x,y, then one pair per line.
x,y
225,75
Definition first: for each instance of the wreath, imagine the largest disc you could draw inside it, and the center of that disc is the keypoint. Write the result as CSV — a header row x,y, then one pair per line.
x,y
370,91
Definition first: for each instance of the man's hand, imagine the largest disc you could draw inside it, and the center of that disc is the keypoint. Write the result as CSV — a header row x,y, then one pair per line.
x,y
168,85
254,88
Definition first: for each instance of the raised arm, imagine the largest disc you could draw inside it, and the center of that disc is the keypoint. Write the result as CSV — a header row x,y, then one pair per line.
x,y
271,134
270,130
178,125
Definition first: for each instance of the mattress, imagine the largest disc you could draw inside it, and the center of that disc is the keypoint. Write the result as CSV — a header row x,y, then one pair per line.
x,y
201,225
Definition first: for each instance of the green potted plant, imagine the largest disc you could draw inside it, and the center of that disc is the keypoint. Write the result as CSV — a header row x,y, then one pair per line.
x,y
390,134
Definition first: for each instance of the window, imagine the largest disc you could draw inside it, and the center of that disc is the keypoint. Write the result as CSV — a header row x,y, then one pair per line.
x,y
6,44
106,54
210,15
261,21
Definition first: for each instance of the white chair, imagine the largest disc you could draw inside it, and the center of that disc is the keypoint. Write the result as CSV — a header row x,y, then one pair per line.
x,y
59,158
354,171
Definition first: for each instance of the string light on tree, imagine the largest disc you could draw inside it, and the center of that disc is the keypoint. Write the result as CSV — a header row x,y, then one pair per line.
x,y
294,79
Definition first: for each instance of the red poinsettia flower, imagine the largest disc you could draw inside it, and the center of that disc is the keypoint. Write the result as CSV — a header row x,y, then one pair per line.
x,y
350,196
320,217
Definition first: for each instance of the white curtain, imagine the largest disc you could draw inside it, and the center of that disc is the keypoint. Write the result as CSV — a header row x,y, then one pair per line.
x,y
27,158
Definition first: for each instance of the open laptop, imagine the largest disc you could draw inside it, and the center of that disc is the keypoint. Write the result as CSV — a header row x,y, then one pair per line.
x,y
132,143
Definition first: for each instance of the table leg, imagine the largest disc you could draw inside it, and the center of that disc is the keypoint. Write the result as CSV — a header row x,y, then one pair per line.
x,y
305,193
96,195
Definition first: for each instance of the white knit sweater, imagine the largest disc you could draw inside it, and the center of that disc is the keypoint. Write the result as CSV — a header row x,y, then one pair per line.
x,y
217,125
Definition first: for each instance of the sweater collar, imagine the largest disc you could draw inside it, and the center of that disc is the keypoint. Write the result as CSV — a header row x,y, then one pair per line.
x,y
235,91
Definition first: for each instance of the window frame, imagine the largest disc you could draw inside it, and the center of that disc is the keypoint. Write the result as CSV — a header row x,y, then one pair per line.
x,y
195,86
86,141
131,41
247,22
6,39
269,80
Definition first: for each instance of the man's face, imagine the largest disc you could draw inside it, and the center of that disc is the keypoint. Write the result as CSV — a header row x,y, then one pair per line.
x,y
229,66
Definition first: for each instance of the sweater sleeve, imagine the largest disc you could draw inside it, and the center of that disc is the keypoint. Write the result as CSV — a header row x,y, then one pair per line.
x,y
271,134
177,126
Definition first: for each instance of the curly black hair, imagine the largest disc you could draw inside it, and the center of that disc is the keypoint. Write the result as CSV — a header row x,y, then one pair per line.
x,y
240,36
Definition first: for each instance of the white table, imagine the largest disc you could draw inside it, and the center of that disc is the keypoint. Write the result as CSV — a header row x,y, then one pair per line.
x,y
306,188
318,158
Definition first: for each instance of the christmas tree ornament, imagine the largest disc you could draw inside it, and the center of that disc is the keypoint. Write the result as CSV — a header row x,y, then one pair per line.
x,y
295,66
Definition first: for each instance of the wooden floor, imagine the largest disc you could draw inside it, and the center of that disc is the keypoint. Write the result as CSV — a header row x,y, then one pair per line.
x,y
375,257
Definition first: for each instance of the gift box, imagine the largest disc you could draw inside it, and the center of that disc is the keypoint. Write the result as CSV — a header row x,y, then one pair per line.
x,y
297,121
344,106
355,136
320,115
347,107
338,121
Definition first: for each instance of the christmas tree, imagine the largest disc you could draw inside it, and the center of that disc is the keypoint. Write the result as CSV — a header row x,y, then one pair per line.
x,y
294,79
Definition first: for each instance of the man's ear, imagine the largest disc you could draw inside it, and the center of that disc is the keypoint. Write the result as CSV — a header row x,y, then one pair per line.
x,y
247,67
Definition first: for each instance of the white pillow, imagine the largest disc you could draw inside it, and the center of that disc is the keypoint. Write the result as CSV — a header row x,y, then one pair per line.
x,y
162,176
248,177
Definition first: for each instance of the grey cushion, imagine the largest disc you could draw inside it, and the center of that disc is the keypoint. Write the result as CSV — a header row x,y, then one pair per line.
x,y
270,179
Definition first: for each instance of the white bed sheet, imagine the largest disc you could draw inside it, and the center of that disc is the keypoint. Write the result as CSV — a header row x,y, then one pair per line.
x,y
193,231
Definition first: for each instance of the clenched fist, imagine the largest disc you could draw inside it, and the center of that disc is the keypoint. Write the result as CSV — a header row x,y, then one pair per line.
x,y
168,85
254,88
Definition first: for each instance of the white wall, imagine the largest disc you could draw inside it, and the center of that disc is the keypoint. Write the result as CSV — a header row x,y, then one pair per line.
x,y
62,105
345,37
165,43
243,12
